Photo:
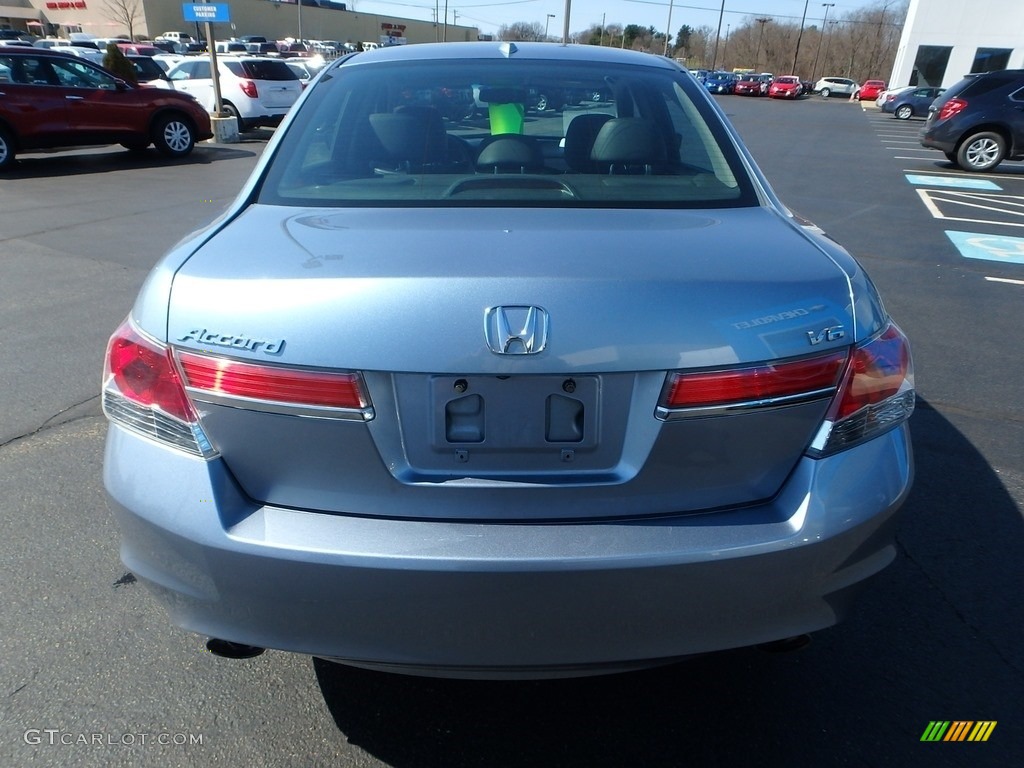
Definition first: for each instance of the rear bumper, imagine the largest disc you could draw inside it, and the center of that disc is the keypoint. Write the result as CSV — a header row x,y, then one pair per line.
x,y
476,599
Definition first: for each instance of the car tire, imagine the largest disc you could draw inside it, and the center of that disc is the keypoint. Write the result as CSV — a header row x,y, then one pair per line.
x,y
6,150
174,136
542,103
826,92
232,111
904,112
135,146
981,152
951,156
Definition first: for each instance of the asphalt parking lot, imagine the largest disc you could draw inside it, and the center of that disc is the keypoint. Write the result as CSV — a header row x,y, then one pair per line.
x,y
92,673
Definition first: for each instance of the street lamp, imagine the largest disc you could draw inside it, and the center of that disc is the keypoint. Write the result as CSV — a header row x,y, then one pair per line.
x,y
546,22
824,24
832,25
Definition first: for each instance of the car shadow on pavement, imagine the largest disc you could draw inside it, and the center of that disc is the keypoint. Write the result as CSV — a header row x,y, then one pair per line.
x,y
933,637
106,159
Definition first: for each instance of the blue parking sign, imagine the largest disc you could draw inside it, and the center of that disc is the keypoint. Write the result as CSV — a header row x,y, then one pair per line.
x,y
209,12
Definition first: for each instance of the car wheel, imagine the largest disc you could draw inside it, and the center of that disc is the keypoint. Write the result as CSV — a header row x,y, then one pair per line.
x,y
904,112
542,103
174,136
135,146
6,150
981,152
826,92
951,156
232,111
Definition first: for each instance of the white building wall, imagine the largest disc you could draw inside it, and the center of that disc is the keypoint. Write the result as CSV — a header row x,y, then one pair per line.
x,y
965,25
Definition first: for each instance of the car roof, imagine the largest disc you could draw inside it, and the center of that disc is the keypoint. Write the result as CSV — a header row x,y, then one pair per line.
x,y
520,50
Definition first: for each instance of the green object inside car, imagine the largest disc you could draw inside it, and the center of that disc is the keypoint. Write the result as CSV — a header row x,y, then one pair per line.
x,y
506,118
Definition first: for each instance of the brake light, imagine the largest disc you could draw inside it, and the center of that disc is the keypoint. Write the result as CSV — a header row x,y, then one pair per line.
x,y
143,392
217,378
876,393
249,88
751,386
952,107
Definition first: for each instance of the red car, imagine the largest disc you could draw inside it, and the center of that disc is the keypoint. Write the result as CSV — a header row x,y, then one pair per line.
x,y
53,99
751,85
786,87
871,89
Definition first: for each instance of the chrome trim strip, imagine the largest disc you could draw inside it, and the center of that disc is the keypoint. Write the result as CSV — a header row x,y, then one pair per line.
x,y
286,409
673,414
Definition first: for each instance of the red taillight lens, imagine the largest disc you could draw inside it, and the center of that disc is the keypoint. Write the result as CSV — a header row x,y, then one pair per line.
x,y
877,371
754,384
142,372
876,394
278,384
143,393
952,107
249,88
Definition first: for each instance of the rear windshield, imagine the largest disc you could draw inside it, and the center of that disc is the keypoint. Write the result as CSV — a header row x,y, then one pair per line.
x,y
977,86
261,70
526,133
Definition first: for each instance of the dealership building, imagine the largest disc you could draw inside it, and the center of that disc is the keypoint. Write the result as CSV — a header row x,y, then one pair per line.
x,y
274,19
945,39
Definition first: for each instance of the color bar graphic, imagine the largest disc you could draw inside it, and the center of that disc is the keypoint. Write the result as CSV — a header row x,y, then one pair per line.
x,y
958,730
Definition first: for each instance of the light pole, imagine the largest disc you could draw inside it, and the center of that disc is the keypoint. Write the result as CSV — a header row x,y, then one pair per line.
x,y
546,22
824,59
668,28
762,21
824,24
800,36
602,29
718,35
725,48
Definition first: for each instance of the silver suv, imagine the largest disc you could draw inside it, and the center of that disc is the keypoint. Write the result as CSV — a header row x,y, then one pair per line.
x,y
829,85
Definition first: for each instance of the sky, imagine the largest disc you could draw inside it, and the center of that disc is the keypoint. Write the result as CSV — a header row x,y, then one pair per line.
x,y
489,15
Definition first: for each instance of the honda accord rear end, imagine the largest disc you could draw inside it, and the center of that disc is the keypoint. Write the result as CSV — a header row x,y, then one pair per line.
x,y
502,395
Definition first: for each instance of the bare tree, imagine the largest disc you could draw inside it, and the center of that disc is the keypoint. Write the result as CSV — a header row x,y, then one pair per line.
x,y
123,12
522,31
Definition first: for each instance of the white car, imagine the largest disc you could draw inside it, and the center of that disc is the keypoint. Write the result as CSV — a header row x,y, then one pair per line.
x,y
835,85
257,91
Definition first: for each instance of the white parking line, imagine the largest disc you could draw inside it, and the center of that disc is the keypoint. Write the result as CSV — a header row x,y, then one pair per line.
x,y
932,196
1004,280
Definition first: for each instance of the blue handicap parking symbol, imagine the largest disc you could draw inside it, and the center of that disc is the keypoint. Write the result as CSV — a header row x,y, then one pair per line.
x,y
955,182
975,245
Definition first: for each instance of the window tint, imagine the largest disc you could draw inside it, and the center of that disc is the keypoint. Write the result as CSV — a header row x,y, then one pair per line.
x,y
486,133
267,70
981,85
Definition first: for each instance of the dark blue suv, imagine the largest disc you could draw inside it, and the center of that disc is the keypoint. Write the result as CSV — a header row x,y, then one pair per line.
x,y
979,122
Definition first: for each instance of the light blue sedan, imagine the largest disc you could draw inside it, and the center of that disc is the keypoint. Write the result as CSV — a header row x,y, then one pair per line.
x,y
498,393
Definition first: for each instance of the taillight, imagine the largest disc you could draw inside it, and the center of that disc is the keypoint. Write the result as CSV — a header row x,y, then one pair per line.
x,y
876,393
249,88
952,107
304,391
691,394
143,392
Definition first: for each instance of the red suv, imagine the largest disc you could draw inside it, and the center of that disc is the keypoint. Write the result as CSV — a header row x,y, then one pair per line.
x,y
50,99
